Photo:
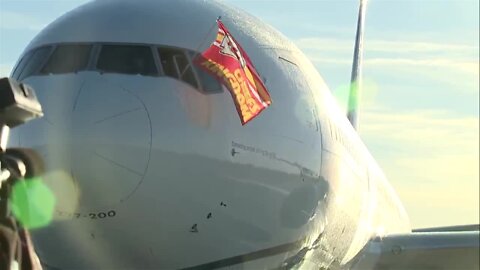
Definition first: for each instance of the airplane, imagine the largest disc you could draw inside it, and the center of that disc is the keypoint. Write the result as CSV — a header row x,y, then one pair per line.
x,y
152,169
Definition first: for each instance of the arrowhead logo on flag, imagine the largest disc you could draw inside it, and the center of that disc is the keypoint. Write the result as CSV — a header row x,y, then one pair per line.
x,y
229,63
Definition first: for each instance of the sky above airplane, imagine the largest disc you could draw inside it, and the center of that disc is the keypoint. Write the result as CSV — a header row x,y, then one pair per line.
x,y
419,112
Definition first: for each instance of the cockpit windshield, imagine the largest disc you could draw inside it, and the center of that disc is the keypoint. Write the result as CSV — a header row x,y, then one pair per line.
x,y
67,59
128,59
32,61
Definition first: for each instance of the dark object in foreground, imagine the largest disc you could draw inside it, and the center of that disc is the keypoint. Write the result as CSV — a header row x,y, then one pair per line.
x,y
18,105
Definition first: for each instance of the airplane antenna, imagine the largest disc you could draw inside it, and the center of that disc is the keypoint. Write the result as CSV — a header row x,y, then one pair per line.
x,y
356,80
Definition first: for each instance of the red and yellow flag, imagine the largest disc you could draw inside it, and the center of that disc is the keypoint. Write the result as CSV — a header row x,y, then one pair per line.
x,y
229,63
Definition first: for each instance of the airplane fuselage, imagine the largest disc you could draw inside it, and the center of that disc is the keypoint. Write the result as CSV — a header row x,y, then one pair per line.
x,y
156,171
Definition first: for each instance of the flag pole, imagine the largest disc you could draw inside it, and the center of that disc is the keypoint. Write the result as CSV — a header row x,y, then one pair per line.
x,y
206,36
197,51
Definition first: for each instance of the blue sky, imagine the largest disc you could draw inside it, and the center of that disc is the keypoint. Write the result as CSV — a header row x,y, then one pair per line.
x,y
420,108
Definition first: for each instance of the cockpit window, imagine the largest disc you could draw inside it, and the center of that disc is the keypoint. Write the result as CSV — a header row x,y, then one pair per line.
x,y
21,65
33,63
176,64
166,59
185,70
67,59
127,59
209,83
118,58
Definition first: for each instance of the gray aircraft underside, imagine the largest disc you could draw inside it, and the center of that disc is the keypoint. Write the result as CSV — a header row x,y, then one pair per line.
x,y
153,170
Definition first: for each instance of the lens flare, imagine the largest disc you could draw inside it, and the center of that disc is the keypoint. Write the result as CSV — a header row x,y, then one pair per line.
x,y
32,203
367,95
341,94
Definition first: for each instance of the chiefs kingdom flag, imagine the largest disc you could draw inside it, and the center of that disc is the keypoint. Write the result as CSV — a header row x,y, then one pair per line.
x,y
229,63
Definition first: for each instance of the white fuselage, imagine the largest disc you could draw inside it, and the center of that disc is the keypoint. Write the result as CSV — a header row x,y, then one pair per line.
x,y
151,172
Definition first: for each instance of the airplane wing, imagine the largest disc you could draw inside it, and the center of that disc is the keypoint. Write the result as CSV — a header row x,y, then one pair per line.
x,y
435,248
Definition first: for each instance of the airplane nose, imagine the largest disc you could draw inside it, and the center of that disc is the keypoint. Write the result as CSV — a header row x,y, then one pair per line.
x,y
95,139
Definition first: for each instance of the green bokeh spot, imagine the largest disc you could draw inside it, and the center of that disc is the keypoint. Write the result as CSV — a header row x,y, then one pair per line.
x,y
32,203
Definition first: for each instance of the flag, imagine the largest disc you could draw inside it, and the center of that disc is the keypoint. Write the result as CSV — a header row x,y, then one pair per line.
x,y
229,63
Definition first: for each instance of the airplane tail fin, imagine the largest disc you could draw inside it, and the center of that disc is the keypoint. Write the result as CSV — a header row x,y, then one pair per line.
x,y
356,80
